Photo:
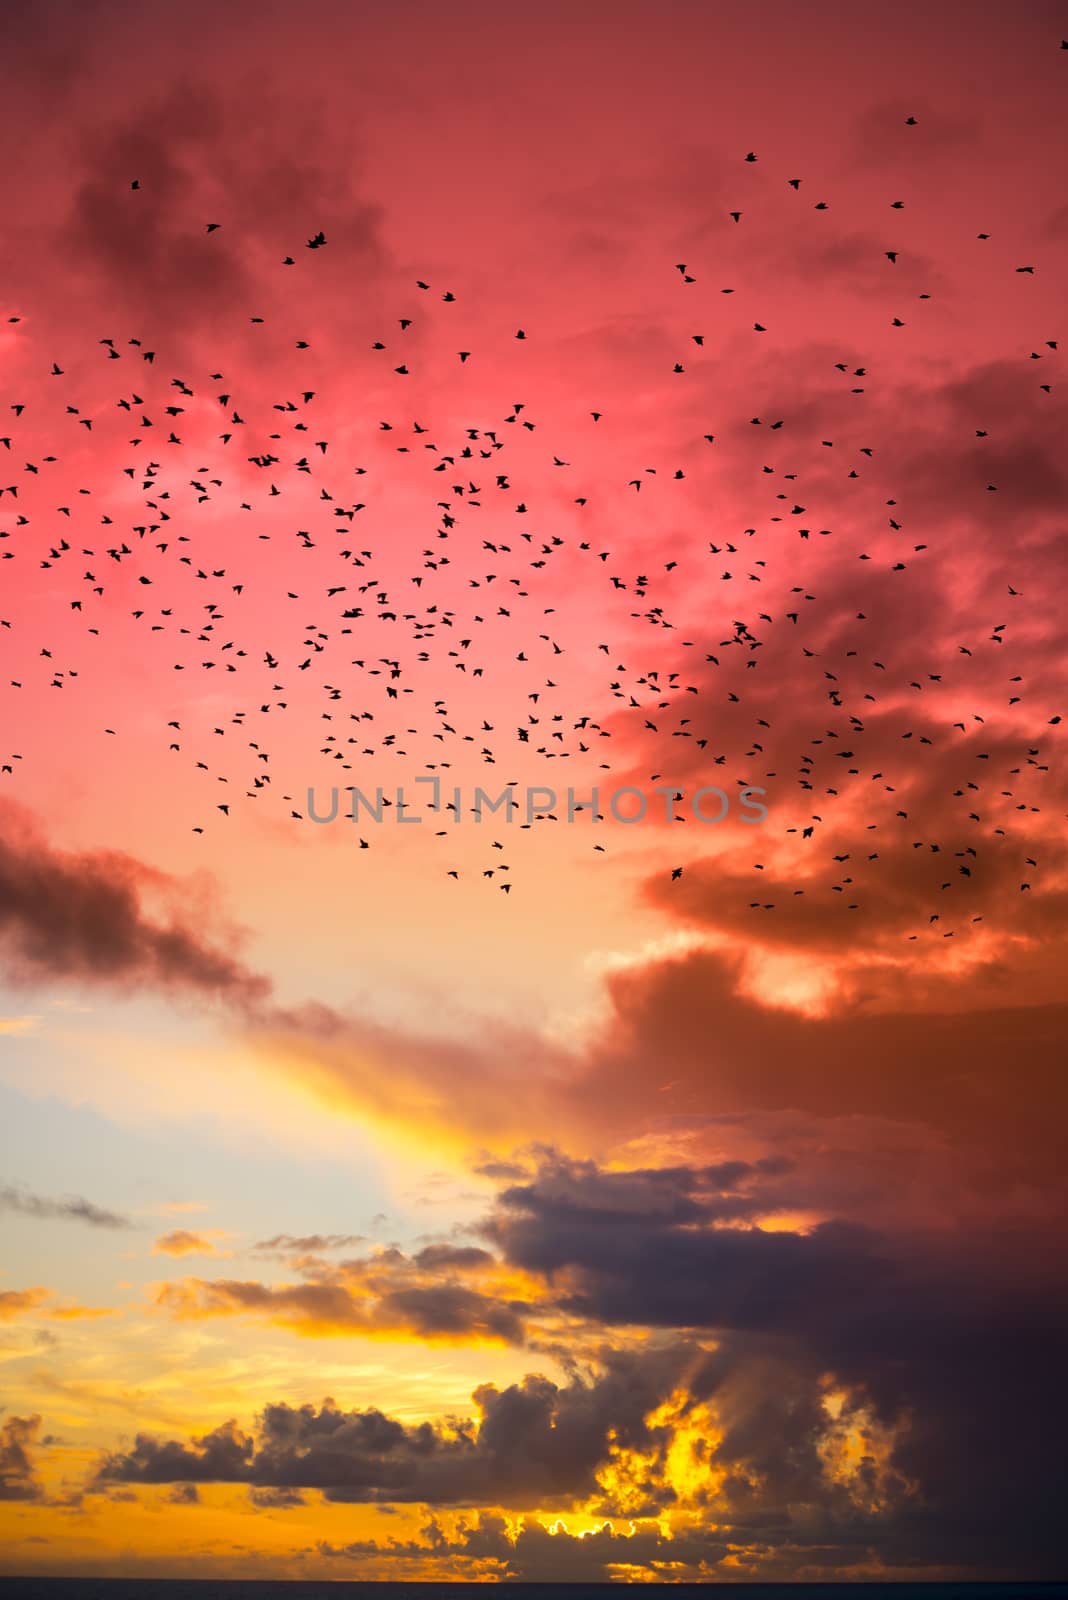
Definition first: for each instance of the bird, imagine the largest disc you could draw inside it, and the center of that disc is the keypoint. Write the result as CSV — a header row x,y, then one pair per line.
x,y
447,632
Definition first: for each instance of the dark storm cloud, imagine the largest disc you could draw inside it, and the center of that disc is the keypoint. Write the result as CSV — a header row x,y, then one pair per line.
x,y
578,1193
640,1248
953,1340
941,1345
536,1442
545,1444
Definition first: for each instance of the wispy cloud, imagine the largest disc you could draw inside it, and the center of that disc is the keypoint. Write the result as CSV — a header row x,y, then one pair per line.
x,y
71,1208
14,1025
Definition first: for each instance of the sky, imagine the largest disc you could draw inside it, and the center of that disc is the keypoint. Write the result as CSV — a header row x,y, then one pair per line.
x,y
549,402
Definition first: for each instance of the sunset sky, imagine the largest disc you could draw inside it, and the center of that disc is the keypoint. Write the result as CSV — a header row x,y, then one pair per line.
x,y
575,396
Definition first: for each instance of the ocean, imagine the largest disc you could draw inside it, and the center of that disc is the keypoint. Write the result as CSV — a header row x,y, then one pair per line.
x,y
254,1589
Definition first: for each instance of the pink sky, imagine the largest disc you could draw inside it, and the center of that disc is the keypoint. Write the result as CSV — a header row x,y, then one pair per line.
x,y
743,1181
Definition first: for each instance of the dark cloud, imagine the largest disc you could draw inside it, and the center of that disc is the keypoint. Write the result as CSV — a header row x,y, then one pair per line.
x,y
453,1310
84,916
21,1202
577,1193
916,874
276,1499
221,1456
921,1058
385,1292
41,42
438,1257
737,1438
145,259
18,1480
840,1389
531,1553
641,1248
880,135
950,1339
534,1442
500,1169
536,1555
285,1244
149,245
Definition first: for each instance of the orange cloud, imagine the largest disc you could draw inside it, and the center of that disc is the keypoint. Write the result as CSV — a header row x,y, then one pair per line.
x,y
182,1242
22,1302
17,1302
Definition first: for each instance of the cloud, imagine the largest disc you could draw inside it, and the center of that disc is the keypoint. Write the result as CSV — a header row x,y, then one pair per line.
x,y
575,1193
441,1257
914,1087
533,1553
221,1456
147,262
726,1450
181,1242
839,1386
72,1208
386,1293
936,1064
876,131
647,1248
16,1302
898,1032
84,917
18,1025
21,1302
533,1442
18,1480
276,1499
879,1314
860,900
288,1244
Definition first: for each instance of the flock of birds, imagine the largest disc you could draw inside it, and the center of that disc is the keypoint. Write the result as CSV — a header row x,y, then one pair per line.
x,y
484,626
